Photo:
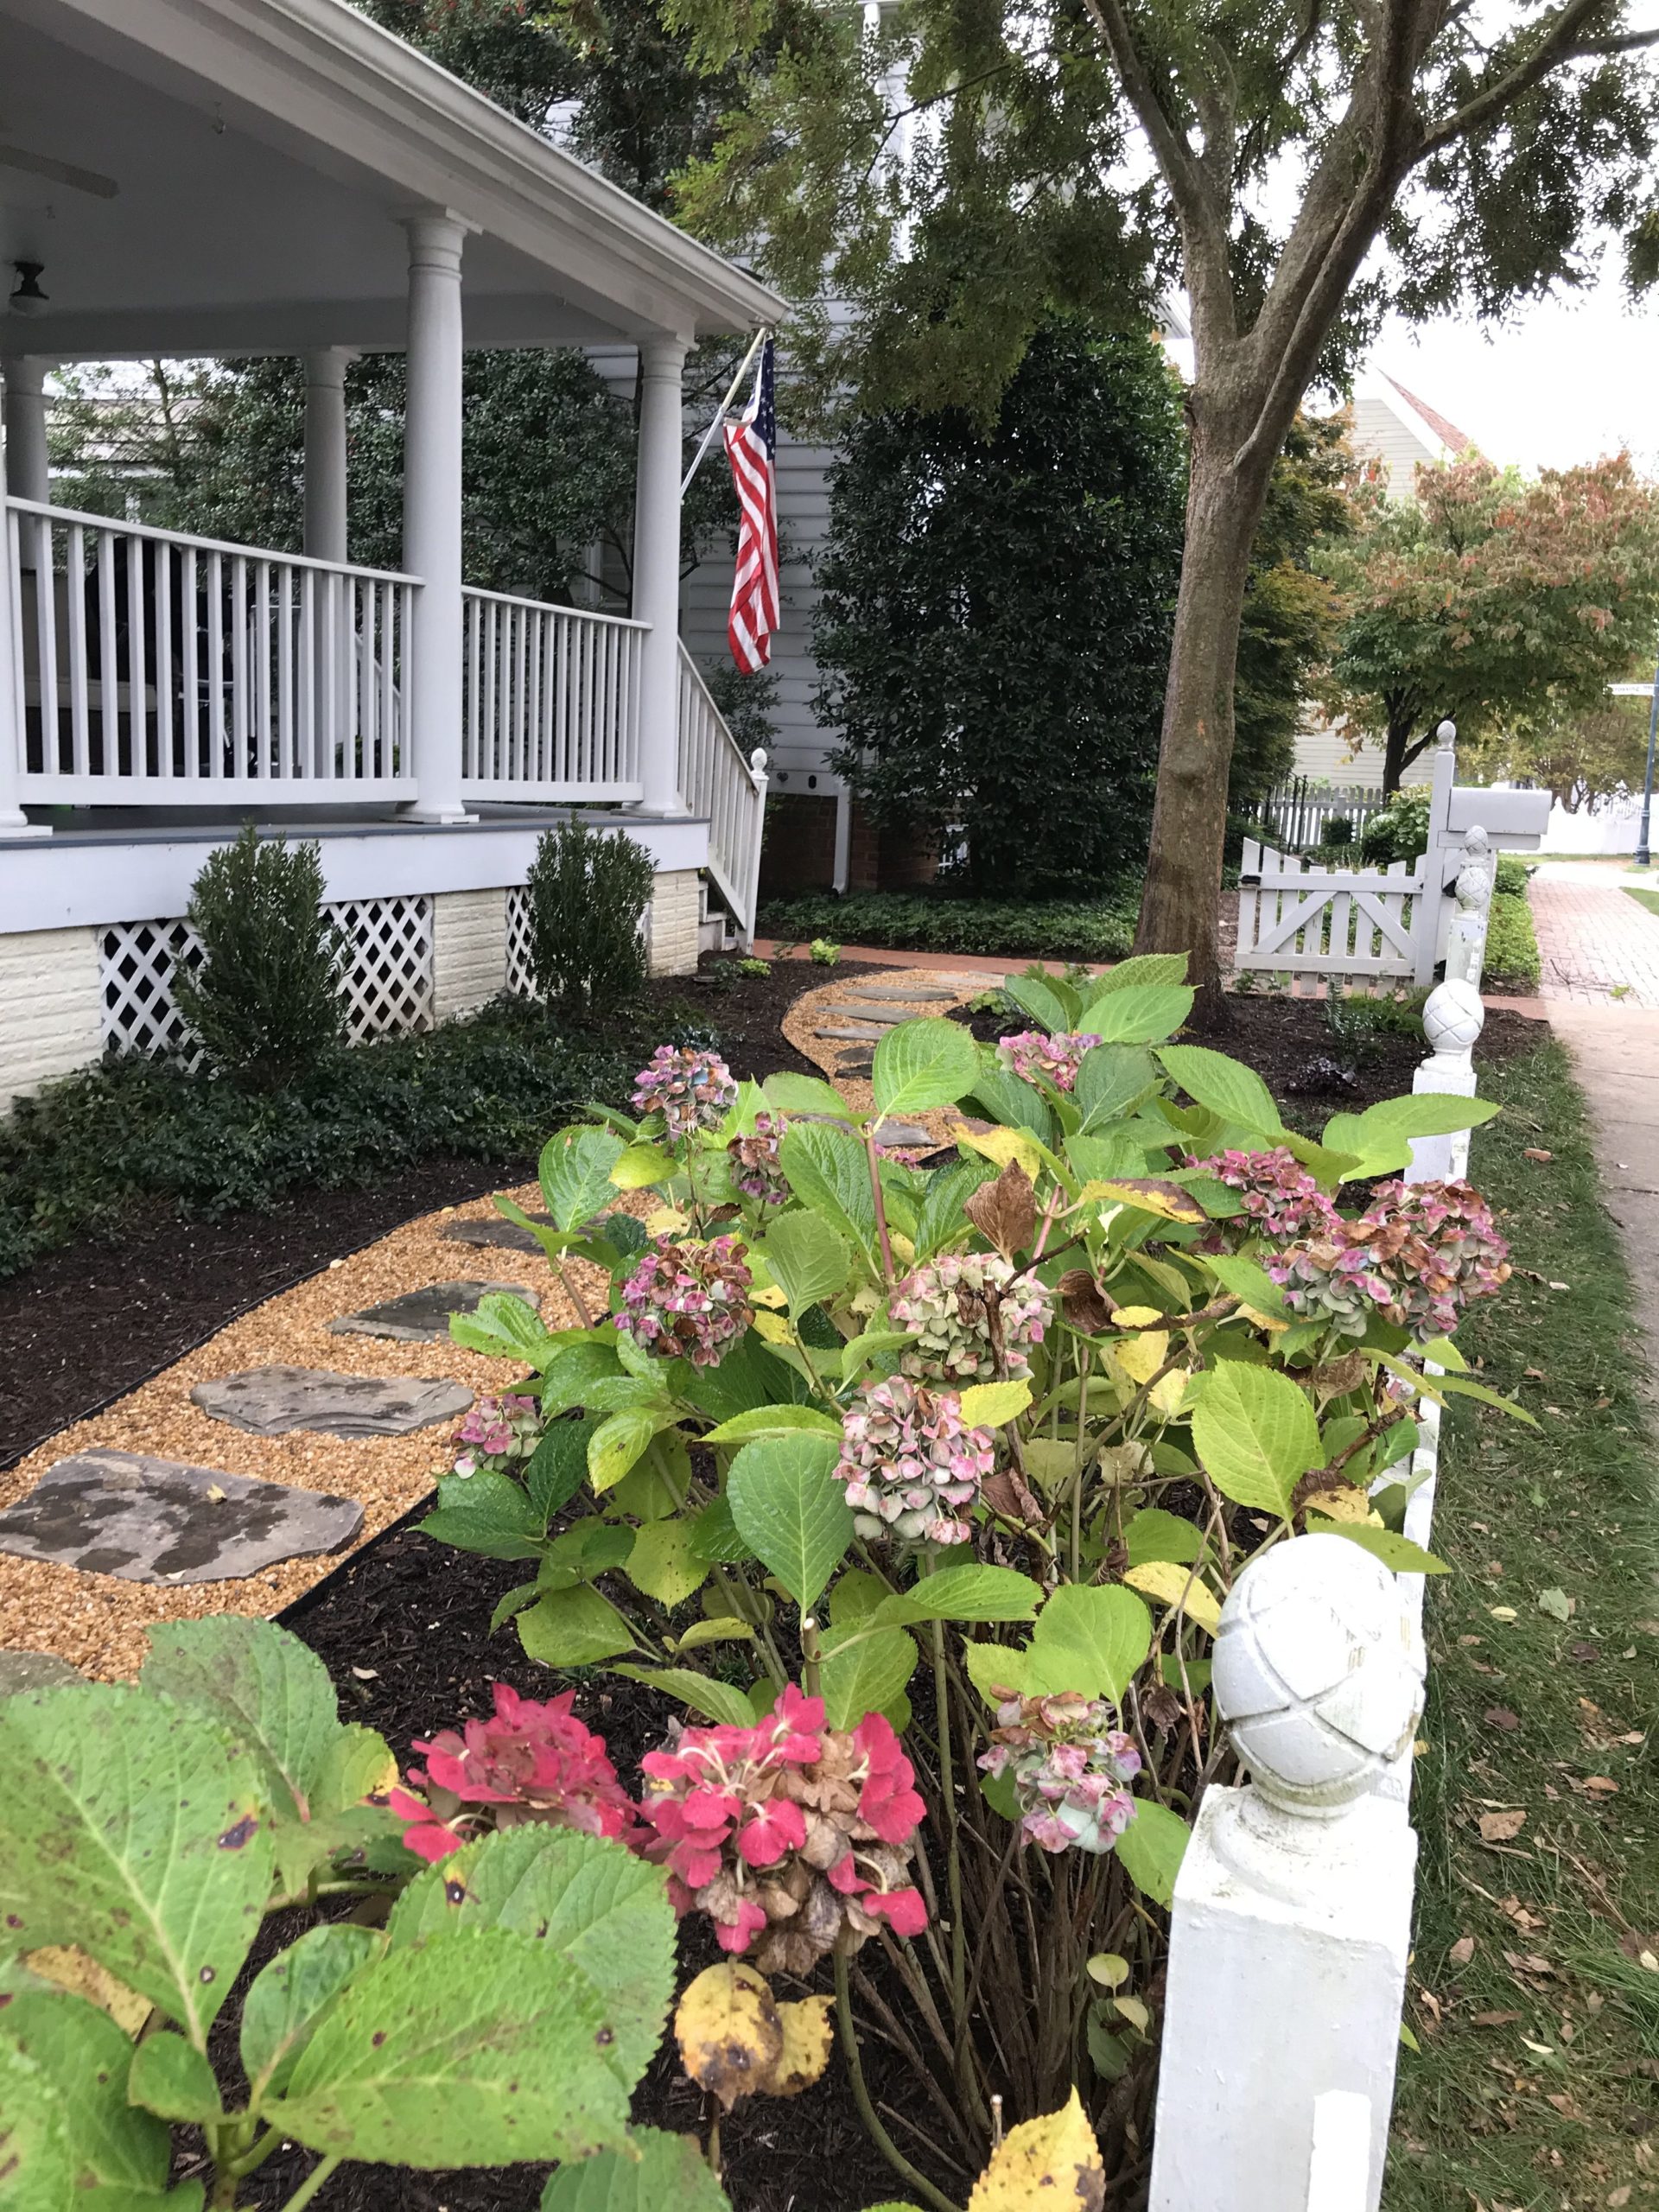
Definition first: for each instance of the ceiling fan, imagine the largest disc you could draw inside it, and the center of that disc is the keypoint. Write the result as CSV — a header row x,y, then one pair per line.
x,y
56,171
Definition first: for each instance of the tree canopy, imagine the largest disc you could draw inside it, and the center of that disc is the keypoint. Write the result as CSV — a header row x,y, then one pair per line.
x,y
1301,167
1507,605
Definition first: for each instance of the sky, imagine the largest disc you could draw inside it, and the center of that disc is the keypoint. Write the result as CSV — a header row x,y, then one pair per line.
x,y
1565,381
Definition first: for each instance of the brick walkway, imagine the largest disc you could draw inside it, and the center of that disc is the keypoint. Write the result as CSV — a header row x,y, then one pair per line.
x,y
1598,946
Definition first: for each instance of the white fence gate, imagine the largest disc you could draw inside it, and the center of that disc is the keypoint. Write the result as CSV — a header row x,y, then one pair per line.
x,y
1363,925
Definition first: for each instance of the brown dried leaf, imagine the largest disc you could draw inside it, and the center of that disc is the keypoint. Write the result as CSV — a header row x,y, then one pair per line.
x,y
1006,1494
1499,1716
1005,1212
1462,1951
1083,1303
1500,1828
1494,2019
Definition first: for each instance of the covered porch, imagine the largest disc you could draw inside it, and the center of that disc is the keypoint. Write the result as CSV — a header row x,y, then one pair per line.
x,y
209,178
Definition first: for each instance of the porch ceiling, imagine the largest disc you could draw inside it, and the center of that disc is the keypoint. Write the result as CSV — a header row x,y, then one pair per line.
x,y
263,154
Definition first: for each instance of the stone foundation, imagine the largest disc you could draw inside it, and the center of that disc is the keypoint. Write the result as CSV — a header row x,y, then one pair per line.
x,y
50,1008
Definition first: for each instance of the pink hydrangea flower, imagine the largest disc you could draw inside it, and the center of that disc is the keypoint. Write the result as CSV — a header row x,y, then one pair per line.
x,y
528,1762
756,1170
691,1090
789,1834
1032,1056
910,1463
947,1304
1071,1769
688,1301
1417,1255
496,1432
1281,1200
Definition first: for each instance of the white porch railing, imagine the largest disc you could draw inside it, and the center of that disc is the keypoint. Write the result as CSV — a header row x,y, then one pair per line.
x,y
551,702
717,781
155,666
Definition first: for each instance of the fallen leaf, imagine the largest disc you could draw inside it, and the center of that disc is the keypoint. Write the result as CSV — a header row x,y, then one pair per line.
x,y
1536,1152
1499,1827
1599,1785
1462,1951
1499,1716
1557,1605
1503,1613
1542,2049
216,1493
1560,1286
1495,2019
1535,1374
1051,2160
729,2033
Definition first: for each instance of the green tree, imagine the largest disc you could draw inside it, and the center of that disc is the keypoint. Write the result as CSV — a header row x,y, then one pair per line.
x,y
1507,605
1269,150
996,611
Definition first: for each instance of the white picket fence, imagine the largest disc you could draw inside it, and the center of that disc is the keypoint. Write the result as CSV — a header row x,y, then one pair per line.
x,y
1330,927
1300,812
1291,1931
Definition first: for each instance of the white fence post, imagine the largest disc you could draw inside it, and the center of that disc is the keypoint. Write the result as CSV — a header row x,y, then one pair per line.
x,y
1429,932
1291,1928
1339,2172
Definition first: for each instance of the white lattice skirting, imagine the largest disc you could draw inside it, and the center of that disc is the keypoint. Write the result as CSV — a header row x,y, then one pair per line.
x,y
520,972
386,976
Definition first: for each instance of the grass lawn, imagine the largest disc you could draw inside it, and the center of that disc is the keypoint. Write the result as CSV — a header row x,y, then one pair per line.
x,y
1642,896
1534,1986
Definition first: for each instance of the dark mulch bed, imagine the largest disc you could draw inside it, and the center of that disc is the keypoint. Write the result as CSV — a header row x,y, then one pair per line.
x,y
85,1324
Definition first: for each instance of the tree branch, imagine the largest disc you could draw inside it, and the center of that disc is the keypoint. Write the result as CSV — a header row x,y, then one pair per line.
x,y
1625,42
1554,46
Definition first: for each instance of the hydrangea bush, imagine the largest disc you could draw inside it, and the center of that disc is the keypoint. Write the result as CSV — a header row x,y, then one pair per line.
x,y
919,1490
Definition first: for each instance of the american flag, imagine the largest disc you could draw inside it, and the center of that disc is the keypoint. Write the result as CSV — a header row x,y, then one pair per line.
x,y
752,448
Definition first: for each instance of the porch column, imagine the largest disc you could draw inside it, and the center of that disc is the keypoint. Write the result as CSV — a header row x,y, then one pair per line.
x,y
13,821
325,453
657,571
432,510
27,468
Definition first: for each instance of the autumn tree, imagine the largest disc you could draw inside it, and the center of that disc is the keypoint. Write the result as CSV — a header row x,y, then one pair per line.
x,y
1507,605
1301,165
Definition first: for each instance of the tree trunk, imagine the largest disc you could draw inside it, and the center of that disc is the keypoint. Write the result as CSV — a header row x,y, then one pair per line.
x,y
1394,745
1179,904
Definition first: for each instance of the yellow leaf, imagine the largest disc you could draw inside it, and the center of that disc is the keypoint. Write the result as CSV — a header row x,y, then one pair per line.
x,y
772,1326
1142,1356
1173,1586
1151,1194
641,1166
808,2040
1136,1317
730,2035
665,1220
768,1294
988,1405
1132,2009
1052,2161
1002,1146
1347,1503
1268,1321
1168,1394
71,1969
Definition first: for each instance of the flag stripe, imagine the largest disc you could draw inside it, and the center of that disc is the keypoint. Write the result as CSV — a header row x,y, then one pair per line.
x,y
752,448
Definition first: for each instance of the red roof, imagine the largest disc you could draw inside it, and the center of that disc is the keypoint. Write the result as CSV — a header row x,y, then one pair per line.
x,y
1448,433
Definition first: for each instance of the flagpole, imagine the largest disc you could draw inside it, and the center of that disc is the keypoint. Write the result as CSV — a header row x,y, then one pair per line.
x,y
760,338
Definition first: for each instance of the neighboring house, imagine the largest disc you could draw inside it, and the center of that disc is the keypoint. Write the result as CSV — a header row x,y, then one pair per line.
x,y
1393,427
201,178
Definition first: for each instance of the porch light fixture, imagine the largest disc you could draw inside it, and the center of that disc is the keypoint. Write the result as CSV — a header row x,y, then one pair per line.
x,y
26,297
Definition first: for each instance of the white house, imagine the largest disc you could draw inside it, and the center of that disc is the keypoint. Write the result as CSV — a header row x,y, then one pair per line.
x,y
217,177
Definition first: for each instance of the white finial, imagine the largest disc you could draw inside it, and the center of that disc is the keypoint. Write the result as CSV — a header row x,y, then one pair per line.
x,y
1453,1017
1318,1674
758,758
1447,734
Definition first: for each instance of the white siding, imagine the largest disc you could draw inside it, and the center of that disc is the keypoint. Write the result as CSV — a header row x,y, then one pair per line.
x,y
50,1008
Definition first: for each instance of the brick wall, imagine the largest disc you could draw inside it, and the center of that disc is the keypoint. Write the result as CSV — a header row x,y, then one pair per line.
x,y
49,1008
674,910
470,950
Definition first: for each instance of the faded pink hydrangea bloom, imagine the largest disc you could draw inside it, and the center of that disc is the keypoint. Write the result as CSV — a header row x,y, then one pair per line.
x,y
947,1306
528,1762
755,1167
496,1431
1070,1767
691,1090
1417,1255
1280,1199
688,1301
910,1463
1030,1054
790,1831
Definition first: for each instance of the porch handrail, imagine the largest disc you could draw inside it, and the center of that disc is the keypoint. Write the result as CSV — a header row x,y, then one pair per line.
x,y
717,780
87,520
156,666
550,700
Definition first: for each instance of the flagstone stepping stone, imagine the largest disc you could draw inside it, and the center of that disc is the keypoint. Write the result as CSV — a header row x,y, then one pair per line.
x,y
422,1317
35,1670
888,1017
496,1229
850,1034
905,991
157,1521
275,1400
899,1133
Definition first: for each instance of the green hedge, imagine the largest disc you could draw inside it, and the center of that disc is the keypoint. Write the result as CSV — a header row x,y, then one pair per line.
x,y
492,1089
914,921
1511,944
